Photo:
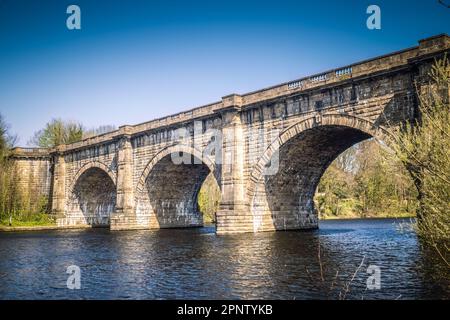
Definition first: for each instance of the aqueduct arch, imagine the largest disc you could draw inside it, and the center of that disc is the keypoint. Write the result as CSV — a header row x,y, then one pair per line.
x,y
168,187
92,196
283,199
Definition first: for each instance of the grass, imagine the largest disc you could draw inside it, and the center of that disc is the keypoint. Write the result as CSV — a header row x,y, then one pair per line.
x,y
41,219
356,215
351,209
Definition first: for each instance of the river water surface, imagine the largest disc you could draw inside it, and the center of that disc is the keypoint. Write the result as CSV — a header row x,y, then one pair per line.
x,y
197,264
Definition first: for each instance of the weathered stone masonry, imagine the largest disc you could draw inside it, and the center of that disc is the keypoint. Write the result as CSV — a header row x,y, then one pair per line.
x,y
32,169
132,179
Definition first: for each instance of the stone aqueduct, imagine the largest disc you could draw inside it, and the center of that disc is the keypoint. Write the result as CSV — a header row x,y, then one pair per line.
x,y
130,178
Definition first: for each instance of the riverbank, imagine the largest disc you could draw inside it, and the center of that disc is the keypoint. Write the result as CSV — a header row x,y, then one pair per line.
x,y
4,228
374,216
25,221
27,226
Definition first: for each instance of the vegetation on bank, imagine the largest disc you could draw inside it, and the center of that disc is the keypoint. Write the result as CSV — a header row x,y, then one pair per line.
x,y
35,219
21,206
366,181
424,148
370,179
208,199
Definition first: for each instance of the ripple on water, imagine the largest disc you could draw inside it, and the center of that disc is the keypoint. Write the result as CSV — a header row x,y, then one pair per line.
x,y
197,264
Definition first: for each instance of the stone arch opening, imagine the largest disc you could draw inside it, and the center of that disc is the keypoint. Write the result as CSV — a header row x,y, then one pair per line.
x,y
285,200
167,193
367,180
92,198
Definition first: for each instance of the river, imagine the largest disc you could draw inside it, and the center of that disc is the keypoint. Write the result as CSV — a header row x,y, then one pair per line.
x,y
198,264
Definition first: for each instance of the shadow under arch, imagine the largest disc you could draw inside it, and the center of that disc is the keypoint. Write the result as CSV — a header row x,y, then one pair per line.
x,y
283,200
166,193
92,196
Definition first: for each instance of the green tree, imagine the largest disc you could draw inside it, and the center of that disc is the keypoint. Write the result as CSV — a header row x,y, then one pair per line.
x,y
7,140
366,181
383,185
424,148
22,205
58,132
208,199
8,189
335,188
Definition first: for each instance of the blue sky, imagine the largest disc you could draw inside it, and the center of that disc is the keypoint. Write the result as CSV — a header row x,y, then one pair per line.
x,y
133,61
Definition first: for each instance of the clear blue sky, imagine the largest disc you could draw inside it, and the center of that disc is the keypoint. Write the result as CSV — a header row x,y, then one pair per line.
x,y
133,61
